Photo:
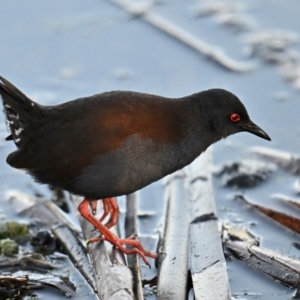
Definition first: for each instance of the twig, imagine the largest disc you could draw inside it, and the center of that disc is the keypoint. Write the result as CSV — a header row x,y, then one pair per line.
x,y
278,266
285,160
287,220
213,53
132,228
27,259
75,251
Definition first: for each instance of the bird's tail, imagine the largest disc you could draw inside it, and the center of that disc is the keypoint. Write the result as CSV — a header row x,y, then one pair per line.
x,y
22,114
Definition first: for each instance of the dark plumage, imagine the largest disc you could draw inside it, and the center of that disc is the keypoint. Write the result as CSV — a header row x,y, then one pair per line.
x,y
114,143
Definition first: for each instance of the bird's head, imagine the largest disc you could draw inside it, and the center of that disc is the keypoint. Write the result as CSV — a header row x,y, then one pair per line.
x,y
227,115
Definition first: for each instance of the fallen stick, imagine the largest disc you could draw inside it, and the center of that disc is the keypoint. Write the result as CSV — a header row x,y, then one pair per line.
x,y
75,250
289,221
280,267
212,52
131,228
285,160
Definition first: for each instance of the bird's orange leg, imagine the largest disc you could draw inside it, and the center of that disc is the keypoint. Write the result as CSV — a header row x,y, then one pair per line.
x,y
101,239
83,208
114,212
110,206
106,209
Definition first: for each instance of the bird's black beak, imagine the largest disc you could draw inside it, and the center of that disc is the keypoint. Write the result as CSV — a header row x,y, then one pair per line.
x,y
253,128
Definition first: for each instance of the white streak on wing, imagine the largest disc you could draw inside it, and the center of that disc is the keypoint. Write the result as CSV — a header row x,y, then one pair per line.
x,y
14,116
18,131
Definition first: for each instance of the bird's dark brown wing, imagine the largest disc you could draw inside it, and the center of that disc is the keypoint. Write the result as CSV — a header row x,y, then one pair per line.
x,y
78,131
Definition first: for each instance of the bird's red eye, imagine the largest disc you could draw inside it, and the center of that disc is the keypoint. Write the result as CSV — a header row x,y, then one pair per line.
x,y
235,117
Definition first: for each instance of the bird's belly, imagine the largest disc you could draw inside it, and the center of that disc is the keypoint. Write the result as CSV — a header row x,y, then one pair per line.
x,y
133,166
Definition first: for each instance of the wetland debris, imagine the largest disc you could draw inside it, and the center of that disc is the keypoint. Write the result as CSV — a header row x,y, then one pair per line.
x,y
14,286
20,282
30,260
59,198
194,259
275,47
49,215
285,160
131,228
228,14
291,222
271,45
12,229
43,241
213,53
217,7
8,247
283,268
245,173
75,250
237,232
287,200
297,186
45,211
278,266
173,268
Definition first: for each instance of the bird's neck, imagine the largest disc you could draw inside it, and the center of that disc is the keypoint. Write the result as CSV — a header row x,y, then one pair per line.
x,y
199,134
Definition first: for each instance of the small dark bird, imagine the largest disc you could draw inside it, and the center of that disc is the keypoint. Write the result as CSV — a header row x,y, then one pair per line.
x,y
115,143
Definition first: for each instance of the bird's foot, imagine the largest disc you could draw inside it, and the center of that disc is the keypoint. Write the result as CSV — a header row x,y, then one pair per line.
x,y
131,240
113,239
